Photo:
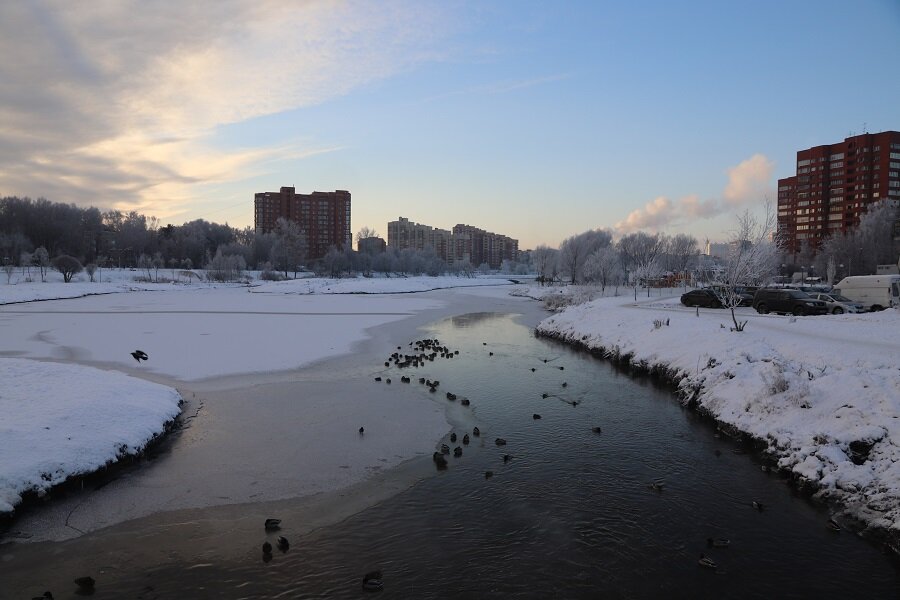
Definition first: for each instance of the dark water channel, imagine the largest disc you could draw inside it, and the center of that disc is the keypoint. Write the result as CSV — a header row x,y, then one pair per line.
x,y
572,514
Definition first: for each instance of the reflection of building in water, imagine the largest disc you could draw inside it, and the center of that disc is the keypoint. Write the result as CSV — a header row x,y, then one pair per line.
x,y
465,244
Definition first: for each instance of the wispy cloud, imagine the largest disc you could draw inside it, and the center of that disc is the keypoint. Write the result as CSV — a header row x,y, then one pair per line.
x,y
502,87
118,105
748,182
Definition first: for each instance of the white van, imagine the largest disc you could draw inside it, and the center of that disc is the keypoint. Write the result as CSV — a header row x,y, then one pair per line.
x,y
874,292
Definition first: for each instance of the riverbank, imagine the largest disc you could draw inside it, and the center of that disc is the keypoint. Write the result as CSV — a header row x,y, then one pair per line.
x,y
273,413
821,393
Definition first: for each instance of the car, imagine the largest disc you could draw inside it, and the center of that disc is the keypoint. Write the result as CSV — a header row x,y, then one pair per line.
x,y
785,301
837,304
701,297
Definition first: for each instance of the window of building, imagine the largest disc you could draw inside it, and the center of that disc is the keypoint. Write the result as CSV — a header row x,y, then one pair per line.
x,y
895,155
837,164
837,156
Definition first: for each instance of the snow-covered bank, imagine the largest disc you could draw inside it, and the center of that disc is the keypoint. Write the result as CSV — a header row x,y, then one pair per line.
x,y
822,392
59,421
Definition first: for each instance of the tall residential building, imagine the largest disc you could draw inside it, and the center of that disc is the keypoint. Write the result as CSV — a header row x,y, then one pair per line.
x,y
323,216
464,244
834,184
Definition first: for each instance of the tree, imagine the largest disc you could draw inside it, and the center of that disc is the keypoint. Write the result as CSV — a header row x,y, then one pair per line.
x,y
751,260
603,266
90,269
682,250
25,261
640,254
67,265
9,268
289,247
364,233
575,250
545,260
42,261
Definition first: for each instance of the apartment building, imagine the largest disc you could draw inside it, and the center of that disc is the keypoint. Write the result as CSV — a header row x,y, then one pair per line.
x,y
834,184
323,216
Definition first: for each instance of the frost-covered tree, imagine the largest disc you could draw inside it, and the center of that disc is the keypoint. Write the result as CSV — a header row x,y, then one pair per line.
x,y
9,268
640,253
91,270
42,261
289,246
867,245
752,259
545,261
603,267
574,251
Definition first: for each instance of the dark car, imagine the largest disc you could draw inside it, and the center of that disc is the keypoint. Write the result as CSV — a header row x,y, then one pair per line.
x,y
744,298
702,297
780,300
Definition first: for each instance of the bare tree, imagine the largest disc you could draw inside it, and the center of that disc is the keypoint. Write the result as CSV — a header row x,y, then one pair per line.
x,y
68,266
90,269
364,233
545,260
682,250
9,268
752,259
25,261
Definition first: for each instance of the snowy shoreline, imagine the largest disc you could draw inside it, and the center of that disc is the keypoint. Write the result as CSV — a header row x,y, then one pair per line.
x,y
820,395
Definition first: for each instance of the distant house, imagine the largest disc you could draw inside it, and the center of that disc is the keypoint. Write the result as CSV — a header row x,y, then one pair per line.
x,y
371,245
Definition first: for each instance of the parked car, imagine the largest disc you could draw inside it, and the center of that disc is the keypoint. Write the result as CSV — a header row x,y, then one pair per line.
x,y
837,304
701,297
784,301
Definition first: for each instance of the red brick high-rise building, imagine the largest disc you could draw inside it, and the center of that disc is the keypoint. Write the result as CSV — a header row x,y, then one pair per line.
x,y
834,184
323,216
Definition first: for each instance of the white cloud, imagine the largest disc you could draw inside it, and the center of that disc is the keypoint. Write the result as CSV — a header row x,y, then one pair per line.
x,y
116,105
748,182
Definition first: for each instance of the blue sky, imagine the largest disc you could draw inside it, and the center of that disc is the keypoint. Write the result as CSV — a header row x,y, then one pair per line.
x,y
525,118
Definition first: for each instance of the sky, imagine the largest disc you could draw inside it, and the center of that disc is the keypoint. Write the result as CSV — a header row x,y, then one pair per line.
x,y
531,119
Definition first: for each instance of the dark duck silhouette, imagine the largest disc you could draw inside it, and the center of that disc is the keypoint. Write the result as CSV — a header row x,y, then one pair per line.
x,y
139,355
272,524
85,584
267,548
372,581
283,543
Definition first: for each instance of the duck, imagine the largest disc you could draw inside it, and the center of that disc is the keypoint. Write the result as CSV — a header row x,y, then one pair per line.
x,y
453,437
388,380
490,353
500,442
533,369
378,379
564,384
44,596
707,562
372,582
439,460
488,474
476,432
139,355
544,395
274,524
506,458
833,525
562,368
457,452
362,430
718,542
758,505
445,449
86,583
267,548
283,543
451,396
465,439
464,402
597,429
656,486
535,416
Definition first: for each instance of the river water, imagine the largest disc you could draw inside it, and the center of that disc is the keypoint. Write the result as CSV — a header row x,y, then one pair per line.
x,y
571,514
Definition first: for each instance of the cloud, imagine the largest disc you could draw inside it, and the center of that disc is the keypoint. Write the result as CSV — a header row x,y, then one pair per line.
x,y
119,105
748,182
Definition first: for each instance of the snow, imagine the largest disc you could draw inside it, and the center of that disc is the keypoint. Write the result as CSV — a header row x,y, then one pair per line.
x,y
809,387
234,338
60,420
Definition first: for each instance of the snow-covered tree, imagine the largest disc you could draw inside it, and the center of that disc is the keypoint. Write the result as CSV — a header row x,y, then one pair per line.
x,y
640,254
545,260
573,252
42,261
603,267
288,250
752,259
682,251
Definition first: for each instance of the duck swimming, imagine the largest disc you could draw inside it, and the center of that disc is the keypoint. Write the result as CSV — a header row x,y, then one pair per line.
x,y
273,524
718,542
707,562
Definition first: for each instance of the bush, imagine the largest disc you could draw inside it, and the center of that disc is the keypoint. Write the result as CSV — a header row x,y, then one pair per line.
x,y
68,266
